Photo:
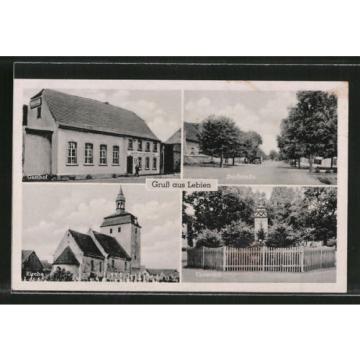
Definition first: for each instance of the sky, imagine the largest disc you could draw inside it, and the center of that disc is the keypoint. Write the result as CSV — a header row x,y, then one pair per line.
x,y
261,111
159,108
47,214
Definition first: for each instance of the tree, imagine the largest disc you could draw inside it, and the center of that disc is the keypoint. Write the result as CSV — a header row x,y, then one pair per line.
x,y
218,136
252,141
273,155
311,127
238,234
261,235
282,235
209,238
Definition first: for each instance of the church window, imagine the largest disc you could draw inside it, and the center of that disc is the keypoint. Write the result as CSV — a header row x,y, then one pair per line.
x,y
147,163
140,145
103,154
100,266
155,146
154,163
92,265
113,263
72,153
130,144
115,155
147,149
125,265
89,159
119,229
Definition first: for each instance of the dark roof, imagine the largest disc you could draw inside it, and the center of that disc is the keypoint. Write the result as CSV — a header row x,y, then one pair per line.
x,y
86,244
111,246
174,138
25,254
119,219
191,131
67,257
89,114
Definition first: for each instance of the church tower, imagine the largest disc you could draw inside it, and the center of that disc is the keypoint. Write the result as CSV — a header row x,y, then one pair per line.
x,y
260,220
124,227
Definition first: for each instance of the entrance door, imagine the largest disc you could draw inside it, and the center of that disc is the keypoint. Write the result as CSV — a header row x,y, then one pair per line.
x,y
129,165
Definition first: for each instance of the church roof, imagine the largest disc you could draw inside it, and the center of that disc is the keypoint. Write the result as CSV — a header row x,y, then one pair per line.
x,y
86,244
93,115
111,246
119,219
191,131
25,254
67,257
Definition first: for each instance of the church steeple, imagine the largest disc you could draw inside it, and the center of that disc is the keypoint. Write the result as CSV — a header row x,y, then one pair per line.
x,y
120,202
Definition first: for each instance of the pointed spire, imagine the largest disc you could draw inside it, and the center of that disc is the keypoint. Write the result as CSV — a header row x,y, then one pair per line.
x,y
120,202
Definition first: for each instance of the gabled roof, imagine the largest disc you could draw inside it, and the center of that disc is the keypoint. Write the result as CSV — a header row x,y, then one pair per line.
x,y
191,131
111,246
119,219
86,244
174,138
25,254
83,113
67,257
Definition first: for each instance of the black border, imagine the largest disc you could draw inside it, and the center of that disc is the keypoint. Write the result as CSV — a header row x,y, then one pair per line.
x,y
210,68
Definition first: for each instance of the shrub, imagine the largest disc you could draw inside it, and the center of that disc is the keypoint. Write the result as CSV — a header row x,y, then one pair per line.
x,y
88,177
238,234
209,238
281,235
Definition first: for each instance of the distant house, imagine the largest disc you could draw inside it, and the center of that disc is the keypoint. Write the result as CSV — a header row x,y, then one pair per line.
x,y
30,264
172,153
67,136
191,134
319,162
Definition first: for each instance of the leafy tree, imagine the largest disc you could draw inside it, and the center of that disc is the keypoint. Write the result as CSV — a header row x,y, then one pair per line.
x,y
282,235
261,235
311,127
273,155
209,238
218,136
252,141
238,234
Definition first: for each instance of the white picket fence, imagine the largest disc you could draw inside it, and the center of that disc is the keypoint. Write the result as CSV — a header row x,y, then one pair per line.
x,y
296,259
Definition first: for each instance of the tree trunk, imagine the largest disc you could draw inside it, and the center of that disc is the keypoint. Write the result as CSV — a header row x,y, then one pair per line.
x,y
331,162
221,160
299,162
310,163
233,160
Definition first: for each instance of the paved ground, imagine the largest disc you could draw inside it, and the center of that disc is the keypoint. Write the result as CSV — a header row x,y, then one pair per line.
x,y
200,275
269,172
129,179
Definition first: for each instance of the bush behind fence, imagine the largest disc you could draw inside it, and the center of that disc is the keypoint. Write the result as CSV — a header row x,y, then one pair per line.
x,y
296,259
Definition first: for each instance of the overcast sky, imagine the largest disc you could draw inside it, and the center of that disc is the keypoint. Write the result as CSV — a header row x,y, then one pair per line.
x,y
160,109
47,214
261,111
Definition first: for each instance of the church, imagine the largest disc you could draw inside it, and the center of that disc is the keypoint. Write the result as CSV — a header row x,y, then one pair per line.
x,y
102,255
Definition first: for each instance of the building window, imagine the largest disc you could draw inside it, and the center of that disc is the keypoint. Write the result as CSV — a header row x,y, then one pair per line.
x,y
115,155
92,265
113,263
89,159
140,163
147,163
38,112
154,163
100,266
103,154
72,153
130,144
317,161
125,265
147,149
139,145
155,146
119,229
110,231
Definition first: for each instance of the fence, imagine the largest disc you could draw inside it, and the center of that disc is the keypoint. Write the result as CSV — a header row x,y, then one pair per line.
x,y
297,259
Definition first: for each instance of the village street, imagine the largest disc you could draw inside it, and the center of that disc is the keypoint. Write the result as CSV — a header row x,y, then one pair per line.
x,y
316,276
269,172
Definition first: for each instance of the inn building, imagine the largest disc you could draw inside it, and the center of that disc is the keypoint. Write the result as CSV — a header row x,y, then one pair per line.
x,y
69,137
